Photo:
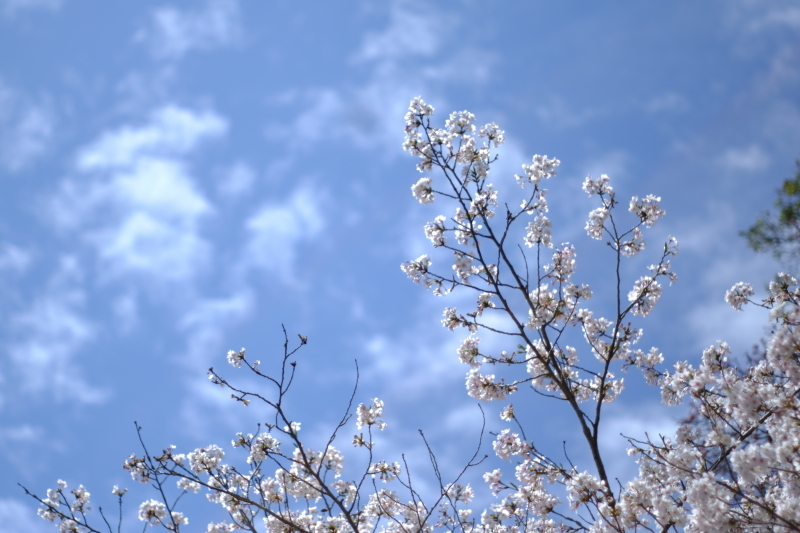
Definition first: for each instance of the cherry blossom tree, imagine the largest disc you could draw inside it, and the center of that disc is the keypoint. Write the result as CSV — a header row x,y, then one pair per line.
x,y
737,471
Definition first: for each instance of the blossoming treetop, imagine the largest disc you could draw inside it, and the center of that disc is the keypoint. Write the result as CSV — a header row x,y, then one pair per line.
x,y
738,471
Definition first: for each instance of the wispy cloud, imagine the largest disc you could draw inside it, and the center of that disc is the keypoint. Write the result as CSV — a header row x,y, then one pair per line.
x,y
16,516
751,158
26,128
140,206
276,229
172,33
126,312
236,180
716,320
756,17
560,114
171,130
401,60
668,102
613,163
48,335
10,7
411,32
706,240
205,406
638,421
206,322
147,244
14,258
21,434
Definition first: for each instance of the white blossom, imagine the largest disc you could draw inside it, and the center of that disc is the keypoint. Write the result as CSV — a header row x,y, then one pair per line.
x,y
435,231
468,351
738,295
235,358
538,232
485,388
644,295
647,209
422,191
599,186
542,168
204,460
370,416
495,135
153,512
597,218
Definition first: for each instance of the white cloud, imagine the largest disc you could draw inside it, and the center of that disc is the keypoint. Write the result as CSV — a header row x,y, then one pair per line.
x,y
153,225
706,240
217,310
788,16
162,187
144,89
757,17
49,335
614,163
637,422
208,409
560,114
205,407
413,30
404,61
778,82
372,112
237,180
276,229
469,66
715,320
172,32
16,516
171,130
467,415
749,159
365,117
317,122
14,258
668,102
423,354
126,312
782,126
708,232
206,322
21,434
150,245
26,128
140,207
9,7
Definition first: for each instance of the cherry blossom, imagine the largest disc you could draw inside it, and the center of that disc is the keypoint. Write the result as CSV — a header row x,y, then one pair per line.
x,y
734,467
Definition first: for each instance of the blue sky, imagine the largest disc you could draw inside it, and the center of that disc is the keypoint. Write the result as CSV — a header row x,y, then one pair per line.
x,y
181,178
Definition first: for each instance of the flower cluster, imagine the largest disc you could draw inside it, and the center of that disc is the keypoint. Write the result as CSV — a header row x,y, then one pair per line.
x,y
370,416
155,513
554,303
56,499
739,295
742,467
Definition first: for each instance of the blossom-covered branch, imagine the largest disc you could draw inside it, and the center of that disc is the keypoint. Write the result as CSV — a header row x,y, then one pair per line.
x,y
737,470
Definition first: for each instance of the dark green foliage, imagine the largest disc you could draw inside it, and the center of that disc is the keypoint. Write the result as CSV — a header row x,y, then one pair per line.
x,y
779,233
